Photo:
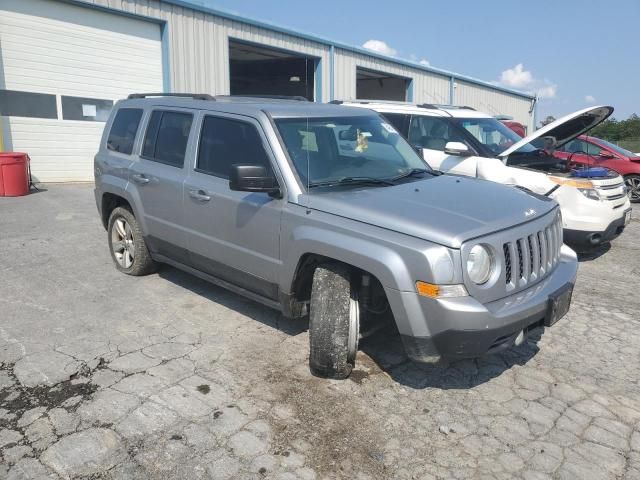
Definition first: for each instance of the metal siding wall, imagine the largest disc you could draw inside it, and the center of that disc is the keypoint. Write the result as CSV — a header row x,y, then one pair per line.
x,y
199,61
427,87
494,102
198,43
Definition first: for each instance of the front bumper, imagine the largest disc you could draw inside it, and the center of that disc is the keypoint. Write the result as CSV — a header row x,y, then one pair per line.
x,y
465,328
582,240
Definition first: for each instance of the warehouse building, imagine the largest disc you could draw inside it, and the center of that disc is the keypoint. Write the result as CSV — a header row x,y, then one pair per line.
x,y
63,63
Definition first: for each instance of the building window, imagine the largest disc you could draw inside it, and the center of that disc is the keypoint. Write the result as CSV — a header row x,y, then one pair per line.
x,y
86,109
167,137
225,142
27,104
124,129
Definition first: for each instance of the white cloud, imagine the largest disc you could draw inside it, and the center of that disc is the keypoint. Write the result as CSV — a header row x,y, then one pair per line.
x,y
518,77
424,62
590,99
380,47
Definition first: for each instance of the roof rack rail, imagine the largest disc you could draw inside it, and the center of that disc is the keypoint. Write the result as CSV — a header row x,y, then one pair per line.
x,y
440,107
368,100
195,96
297,98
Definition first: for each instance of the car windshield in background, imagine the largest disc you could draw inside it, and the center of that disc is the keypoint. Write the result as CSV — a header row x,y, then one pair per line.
x,y
348,150
616,148
493,134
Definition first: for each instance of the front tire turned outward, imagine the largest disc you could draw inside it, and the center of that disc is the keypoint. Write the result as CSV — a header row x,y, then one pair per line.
x,y
334,322
126,244
632,183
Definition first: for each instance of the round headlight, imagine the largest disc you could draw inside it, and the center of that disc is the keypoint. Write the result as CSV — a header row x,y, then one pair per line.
x,y
479,264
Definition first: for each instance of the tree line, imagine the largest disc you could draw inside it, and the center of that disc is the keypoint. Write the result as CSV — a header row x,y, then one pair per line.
x,y
611,129
618,130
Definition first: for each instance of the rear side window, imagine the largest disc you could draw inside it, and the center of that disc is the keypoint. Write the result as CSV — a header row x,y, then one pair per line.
x,y
167,137
124,129
431,133
225,142
399,120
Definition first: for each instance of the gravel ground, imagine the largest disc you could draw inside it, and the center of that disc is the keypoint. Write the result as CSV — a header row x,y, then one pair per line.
x,y
108,376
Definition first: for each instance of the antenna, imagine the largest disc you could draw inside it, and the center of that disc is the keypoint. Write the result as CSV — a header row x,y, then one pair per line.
x,y
306,91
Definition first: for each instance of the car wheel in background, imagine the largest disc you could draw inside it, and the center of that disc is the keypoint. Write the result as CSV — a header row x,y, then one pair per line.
x,y
633,187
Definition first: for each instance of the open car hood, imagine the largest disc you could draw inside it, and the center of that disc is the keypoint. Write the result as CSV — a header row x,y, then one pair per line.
x,y
566,128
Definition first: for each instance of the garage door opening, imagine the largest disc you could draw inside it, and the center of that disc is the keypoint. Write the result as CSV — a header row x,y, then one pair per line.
x,y
258,70
372,85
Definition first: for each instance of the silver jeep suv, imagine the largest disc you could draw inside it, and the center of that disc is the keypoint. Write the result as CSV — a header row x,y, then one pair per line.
x,y
325,210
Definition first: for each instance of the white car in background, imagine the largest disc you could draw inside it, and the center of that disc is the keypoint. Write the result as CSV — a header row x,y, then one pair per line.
x,y
463,141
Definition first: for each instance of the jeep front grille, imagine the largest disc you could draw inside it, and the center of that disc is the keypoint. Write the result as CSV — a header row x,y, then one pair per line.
x,y
532,257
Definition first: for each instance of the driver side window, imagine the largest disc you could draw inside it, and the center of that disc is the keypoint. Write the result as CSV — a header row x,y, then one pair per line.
x,y
432,133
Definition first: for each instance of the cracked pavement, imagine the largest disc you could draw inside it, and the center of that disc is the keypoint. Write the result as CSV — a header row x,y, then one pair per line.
x,y
108,376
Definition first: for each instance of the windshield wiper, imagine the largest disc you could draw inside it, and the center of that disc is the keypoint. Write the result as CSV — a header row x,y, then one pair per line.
x,y
352,181
412,173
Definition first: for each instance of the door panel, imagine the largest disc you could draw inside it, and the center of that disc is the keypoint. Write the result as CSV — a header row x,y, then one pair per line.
x,y
157,177
159,189
232,235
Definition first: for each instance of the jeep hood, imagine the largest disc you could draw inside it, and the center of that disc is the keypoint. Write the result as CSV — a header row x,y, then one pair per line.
x,y
566,128
446,209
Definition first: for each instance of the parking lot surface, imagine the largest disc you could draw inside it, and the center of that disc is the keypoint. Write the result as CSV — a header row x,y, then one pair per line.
x,y
108,376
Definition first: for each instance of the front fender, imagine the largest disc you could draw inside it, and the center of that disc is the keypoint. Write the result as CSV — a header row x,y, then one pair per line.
x,y
382,262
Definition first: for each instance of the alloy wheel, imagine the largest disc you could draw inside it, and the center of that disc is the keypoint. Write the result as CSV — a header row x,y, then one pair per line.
x,y
122,243
633,187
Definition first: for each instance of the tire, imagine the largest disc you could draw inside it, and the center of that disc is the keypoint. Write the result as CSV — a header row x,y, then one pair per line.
x,y
126,244
633,187
333,322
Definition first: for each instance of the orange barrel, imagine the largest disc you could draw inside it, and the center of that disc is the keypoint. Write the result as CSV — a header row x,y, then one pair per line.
x,y
14,174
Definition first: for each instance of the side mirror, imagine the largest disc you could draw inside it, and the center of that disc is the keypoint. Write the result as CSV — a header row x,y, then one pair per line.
x,y
252,178
604,154
457,148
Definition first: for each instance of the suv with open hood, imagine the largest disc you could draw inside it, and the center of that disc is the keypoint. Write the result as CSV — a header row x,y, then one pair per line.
x,y
327,211
463,141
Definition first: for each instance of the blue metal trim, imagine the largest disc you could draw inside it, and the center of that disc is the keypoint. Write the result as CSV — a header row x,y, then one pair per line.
x,y
314,38
166,58
410,90
332,71
452,90
318,81
124,13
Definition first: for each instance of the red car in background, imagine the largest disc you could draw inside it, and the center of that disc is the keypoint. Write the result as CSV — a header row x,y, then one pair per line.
x,y
596,152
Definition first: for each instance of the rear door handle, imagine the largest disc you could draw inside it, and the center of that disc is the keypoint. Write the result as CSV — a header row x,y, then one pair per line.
x,y
140,179
199,195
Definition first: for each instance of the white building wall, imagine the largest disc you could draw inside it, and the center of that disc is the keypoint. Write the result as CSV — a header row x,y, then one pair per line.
x,y
494,102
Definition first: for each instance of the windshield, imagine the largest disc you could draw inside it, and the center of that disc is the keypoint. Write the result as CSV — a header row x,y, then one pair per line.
x,y
331,149
616,148
493,134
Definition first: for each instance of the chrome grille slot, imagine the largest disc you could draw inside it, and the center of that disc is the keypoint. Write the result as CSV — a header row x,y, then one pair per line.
x,y
533,256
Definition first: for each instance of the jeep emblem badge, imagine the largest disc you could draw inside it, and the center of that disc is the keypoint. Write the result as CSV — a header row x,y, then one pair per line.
x,y
529,212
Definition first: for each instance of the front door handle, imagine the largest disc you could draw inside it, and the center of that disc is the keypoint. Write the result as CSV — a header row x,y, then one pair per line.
x,y
140,179
199,195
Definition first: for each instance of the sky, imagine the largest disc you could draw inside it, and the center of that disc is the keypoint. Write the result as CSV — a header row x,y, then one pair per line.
x,y
573,53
